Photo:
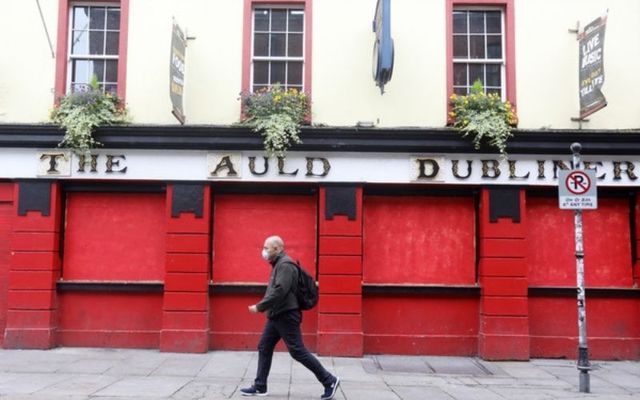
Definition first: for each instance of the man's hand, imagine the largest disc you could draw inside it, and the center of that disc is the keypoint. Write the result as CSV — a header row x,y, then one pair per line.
x,y
253,309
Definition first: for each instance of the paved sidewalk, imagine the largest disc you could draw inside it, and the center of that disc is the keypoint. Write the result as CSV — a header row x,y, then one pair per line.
x,y
105,374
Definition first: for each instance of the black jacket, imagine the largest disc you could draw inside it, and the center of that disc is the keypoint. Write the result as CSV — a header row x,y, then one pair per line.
x,y
280,295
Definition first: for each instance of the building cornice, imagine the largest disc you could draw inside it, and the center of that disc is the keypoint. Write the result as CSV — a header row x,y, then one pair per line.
x,y
328,139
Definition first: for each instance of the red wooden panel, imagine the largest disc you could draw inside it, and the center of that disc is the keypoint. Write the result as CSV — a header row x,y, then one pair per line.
x,y
341,225
503,227
419,240
243,222
186,262
504,306
35,261
340,284
6,213
613,327
418,325
114,237
35,241
345,265
515,248
185,301
234,328
192,282
551,244
506,267
340,304
110,319
6,192
504,287
187,243
187,222
337,245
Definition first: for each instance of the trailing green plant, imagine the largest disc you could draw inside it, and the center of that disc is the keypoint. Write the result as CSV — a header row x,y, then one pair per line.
x,y
276,114
483,116
79,113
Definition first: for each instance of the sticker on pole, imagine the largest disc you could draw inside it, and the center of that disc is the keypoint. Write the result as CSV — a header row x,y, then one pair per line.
x,y
577,189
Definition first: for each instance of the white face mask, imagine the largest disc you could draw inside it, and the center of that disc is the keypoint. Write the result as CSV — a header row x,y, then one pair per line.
x,y
265,254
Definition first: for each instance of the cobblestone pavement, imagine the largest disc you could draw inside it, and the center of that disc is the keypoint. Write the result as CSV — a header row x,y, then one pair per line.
x,y
105,374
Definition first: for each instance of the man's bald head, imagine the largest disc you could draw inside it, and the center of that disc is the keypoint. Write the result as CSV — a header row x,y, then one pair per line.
x,y
274,245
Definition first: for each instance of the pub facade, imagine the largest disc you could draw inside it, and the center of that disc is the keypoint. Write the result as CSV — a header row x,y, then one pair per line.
x,y
421,243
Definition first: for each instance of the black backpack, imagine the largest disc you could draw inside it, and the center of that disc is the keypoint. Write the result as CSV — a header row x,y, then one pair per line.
x,y
307,293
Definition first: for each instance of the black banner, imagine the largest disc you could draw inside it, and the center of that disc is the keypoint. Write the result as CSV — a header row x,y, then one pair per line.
x,y
177,66
592,67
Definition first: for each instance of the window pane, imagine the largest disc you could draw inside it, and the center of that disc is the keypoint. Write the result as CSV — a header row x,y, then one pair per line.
x,y
460,91
97,18
295,45
494,22
261,20
111,88
496,91
278,45
111,71
112,42
261,72
261,44
494,46
493,75
277,72
96,42
80,43
460,74
80,17
294,73
259,87
476,46
80,71
98,70
476,71
460,48
459,22
476,21
278,20
296,20
113,19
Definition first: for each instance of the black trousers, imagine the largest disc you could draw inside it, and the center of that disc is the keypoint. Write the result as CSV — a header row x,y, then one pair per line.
x,y
286,326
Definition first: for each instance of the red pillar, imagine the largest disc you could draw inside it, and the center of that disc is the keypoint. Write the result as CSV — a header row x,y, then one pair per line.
x,y
34,267
185,317
340,272
504,321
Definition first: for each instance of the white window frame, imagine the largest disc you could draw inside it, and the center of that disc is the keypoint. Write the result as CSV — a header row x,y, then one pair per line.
x,y
71,57
496,61
286,59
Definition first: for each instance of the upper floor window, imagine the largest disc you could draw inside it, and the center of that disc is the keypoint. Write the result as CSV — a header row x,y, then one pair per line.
x,y
94,45
277,48
479,50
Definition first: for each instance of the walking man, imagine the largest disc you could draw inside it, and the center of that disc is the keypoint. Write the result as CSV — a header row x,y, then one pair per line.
x,y
283,322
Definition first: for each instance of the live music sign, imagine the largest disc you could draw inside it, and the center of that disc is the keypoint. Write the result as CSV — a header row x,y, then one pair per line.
x,y
577,189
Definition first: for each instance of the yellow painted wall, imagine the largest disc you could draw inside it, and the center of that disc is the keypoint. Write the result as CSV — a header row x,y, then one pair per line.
x,y
343,88
547,62
27,68
213,60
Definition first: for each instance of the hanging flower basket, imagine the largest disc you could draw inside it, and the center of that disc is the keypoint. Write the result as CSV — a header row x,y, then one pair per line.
x,y
483,116
276,114
81,112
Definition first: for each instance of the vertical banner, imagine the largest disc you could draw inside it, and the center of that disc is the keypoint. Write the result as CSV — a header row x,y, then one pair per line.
x,y
176,72
592,67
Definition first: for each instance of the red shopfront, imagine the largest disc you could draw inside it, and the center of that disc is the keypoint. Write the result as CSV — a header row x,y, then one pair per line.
x,y
404,267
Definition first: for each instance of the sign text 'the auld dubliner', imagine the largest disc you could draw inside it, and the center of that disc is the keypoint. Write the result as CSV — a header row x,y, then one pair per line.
x,y
301,167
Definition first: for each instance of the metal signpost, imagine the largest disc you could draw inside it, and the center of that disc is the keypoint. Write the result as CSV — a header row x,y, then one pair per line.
x,y
577,191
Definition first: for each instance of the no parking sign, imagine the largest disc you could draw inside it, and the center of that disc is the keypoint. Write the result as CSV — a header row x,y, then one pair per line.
x,y
577,189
